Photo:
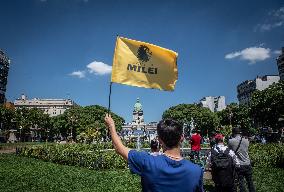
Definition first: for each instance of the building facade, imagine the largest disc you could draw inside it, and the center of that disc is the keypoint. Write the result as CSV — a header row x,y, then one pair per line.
x,y
213,103
4,69
138,127
246,88
280,64
52,107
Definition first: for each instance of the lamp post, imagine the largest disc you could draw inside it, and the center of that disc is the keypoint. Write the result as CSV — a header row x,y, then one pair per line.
x,y
21,133
72,119
230,117
192,125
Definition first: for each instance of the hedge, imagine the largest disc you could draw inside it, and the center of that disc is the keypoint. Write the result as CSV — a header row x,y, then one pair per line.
x,y
98,157
75,154
267,155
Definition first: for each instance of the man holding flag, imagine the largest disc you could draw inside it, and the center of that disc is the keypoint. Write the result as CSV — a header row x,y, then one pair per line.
x,y
146,65
167,172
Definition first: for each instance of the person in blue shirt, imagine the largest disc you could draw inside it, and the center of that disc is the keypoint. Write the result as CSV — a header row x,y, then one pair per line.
x,y
167,172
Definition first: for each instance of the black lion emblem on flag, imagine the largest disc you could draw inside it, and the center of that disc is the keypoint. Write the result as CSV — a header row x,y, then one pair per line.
x,y
144,54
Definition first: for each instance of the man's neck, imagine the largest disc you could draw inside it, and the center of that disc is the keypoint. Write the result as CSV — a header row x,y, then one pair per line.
x,y
173,152
220,143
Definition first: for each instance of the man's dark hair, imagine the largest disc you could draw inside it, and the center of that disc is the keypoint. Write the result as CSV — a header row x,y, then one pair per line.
x,y
218,140
236,130
170,132
154,145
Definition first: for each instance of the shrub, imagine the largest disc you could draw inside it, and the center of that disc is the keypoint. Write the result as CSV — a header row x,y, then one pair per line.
x,y
267,155
90,156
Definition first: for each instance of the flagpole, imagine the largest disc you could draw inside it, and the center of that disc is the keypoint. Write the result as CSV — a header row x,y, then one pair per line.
x,y
110,84
109,98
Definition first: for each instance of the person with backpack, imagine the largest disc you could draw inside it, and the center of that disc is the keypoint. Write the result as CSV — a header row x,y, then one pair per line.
x,y
239,145
222,162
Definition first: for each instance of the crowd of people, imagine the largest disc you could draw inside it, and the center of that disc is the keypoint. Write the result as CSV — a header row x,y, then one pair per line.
x,y
164,168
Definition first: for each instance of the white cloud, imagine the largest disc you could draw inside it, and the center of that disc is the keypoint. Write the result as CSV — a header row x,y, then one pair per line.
x,y
277,52
233,55
79,74
99,68
275,19
251,54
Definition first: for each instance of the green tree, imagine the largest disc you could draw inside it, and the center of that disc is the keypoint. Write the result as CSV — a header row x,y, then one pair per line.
x,y
59,125
6,118
267,106
88,120
236,116
30,118
6,121
204,119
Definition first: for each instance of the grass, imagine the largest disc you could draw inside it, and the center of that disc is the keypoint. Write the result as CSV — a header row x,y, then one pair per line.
x,y
269,179
27,174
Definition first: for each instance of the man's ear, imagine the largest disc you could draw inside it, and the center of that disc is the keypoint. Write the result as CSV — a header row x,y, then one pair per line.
x,y
162,144
160,141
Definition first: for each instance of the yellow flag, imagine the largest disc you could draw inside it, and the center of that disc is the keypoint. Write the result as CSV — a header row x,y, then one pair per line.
x,y
143,64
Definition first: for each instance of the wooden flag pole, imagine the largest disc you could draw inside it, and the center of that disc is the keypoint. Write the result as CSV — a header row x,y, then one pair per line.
x,y
109,98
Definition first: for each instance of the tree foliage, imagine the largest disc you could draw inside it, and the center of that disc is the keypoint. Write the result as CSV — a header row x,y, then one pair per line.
x,y
6,118
236,116
88,120
204,119
267,106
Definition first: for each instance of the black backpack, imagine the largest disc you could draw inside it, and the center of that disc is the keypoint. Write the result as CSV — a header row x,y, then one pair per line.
x,y
222,167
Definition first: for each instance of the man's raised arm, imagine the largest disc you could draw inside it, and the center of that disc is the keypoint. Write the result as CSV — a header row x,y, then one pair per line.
x,y
116,141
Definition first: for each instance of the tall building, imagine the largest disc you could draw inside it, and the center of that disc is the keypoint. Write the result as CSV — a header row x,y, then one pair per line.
x,y
280,64
246,88
213,103
138,127
138,116
4,69
52,107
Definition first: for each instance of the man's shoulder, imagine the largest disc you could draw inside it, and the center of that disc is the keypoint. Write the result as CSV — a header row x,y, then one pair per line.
x,y
196,136
140,154
191,165
233,140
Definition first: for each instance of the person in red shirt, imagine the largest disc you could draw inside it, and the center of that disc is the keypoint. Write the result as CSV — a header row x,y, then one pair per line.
x,y
195,142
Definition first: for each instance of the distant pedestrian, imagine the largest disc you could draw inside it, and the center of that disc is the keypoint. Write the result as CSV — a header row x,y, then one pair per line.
x,y
155,148
222,162
212,141
195,142
239,145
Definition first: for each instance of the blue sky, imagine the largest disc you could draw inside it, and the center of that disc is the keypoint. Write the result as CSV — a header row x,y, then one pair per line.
x,y
64,48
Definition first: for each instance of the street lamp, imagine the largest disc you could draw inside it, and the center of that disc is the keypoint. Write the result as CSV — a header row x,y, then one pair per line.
x,y
230,117
71,127
21,133
73,118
